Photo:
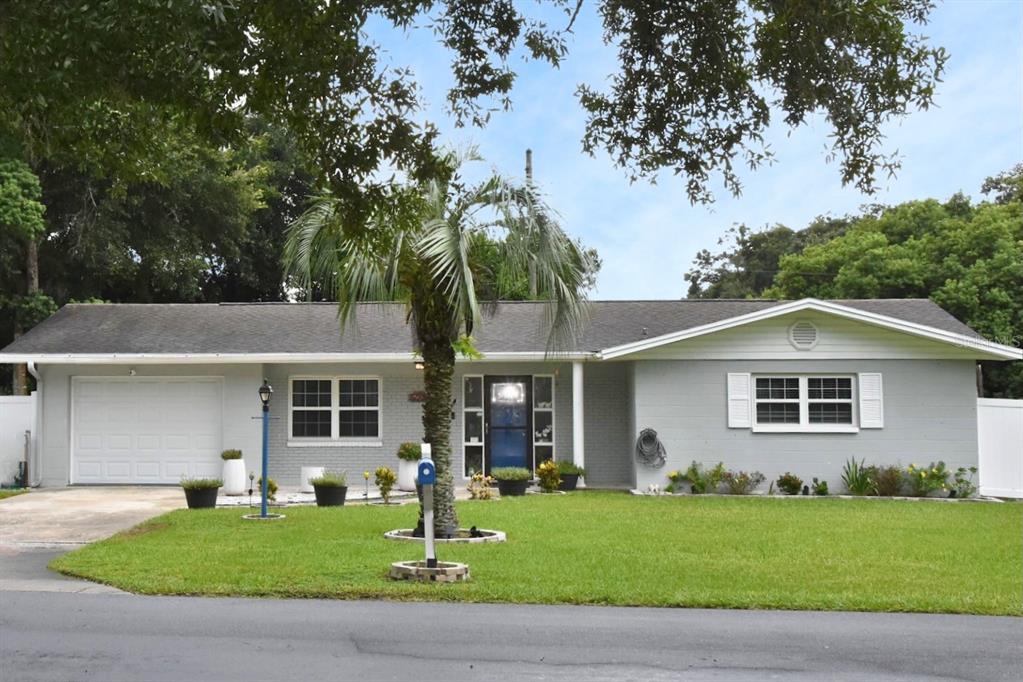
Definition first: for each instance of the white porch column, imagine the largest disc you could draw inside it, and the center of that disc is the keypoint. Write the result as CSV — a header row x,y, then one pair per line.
x,y
578,433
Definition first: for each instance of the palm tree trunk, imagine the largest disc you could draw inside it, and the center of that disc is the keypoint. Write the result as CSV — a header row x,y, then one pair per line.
x,y
438,373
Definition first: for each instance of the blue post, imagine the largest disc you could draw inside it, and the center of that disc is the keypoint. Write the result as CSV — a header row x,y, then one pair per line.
x,y
266,456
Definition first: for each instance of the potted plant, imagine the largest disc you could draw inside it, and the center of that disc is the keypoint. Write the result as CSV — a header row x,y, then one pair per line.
x,y
570,474
234,472
408,465
201,493
512,480
331,489
384,480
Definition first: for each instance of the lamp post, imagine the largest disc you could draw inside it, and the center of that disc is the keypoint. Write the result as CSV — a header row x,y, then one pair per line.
x,y
265,391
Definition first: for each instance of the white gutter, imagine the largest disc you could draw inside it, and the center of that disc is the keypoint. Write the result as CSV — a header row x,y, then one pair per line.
x,y
35,459
266,358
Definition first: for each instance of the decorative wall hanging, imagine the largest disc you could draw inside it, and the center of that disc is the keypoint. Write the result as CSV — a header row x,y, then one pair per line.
x,y
649,449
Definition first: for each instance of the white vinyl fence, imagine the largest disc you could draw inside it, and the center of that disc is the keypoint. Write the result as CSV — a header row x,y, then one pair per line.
x,y
17,415
1000,443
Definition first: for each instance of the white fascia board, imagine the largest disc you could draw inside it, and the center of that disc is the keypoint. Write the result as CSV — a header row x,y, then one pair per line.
x,y
985,349
260,358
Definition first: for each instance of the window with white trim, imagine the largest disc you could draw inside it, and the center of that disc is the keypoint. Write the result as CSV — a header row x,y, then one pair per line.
x,y
801,402
335,408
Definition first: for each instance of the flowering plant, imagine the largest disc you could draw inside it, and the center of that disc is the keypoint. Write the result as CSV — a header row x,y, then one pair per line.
x,y
479,487
925,480
385,479
548,475
675,478
963,485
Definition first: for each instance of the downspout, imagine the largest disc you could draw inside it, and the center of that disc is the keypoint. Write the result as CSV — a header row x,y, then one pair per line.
x,y
35,460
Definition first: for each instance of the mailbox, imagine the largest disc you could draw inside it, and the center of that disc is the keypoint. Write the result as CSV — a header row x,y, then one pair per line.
x,y
427,472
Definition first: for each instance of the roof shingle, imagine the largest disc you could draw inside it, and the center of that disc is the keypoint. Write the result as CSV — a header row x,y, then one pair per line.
x,y
129,328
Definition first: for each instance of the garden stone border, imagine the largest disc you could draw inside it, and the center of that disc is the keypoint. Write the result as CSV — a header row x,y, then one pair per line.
x,y
405,535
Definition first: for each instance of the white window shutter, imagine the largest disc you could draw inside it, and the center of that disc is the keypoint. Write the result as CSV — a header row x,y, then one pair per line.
x,y
871,401
739,401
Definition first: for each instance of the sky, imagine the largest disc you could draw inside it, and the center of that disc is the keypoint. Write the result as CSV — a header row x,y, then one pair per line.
x,y
648,234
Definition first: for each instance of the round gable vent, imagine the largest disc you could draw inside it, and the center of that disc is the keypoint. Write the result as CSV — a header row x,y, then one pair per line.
x,y
803,335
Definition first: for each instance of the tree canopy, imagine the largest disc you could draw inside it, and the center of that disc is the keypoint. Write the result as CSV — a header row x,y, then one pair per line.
x,y
102,83
967,257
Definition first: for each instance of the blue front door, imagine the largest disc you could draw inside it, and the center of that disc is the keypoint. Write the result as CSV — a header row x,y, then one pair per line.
x,y
508,421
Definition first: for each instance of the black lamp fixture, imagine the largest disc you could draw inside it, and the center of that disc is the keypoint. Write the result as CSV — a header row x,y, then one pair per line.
x,y
420,365
265,391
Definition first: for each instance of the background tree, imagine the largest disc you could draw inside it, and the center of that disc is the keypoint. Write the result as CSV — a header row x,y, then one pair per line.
x,y
99,83
966,257
21,226
428,250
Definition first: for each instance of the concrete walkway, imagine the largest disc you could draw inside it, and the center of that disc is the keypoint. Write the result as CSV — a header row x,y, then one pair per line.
x,y
69,517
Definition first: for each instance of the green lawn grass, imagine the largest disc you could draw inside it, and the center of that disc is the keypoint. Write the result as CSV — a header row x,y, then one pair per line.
x,y
8,492
599,548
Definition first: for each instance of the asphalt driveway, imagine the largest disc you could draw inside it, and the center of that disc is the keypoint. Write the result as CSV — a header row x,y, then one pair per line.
x,y
67,517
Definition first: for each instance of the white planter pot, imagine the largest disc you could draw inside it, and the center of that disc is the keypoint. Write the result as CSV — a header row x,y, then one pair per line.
x,y
234,477
407,472
307,474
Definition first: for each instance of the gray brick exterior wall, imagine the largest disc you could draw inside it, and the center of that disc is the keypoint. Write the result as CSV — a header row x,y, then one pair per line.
x,y
400,421
607,404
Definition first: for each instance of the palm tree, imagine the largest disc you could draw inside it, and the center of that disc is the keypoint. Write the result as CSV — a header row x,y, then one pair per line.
x,y
424,250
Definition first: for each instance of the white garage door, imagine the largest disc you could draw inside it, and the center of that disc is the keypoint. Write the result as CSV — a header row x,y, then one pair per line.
x,y
145,429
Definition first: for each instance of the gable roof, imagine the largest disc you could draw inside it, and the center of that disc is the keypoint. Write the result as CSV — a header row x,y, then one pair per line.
x,y
263,331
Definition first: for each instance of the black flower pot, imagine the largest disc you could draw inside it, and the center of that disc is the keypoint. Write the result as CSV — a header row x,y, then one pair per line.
x,y
201,498
330,495
512,487
568,481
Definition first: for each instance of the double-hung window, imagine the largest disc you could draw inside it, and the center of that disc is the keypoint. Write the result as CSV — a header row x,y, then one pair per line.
x,y
803,403
335,410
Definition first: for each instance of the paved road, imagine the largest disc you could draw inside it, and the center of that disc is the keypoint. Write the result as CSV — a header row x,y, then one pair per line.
x,y
113,637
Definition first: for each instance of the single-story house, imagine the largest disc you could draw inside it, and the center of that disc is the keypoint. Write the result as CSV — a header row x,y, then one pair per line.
x,y
141,394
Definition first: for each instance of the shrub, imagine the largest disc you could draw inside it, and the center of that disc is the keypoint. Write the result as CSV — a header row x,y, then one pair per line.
x,y
790,484
479,487
230,454
819,487
271,488
410,452
704,481
511,474
675,478
922,481
547,476
566,466
329,479
742,482
856,477
885,481
385,480
963,485
201,483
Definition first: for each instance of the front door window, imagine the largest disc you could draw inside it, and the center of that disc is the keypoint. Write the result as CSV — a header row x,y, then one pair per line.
x,y
508,422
